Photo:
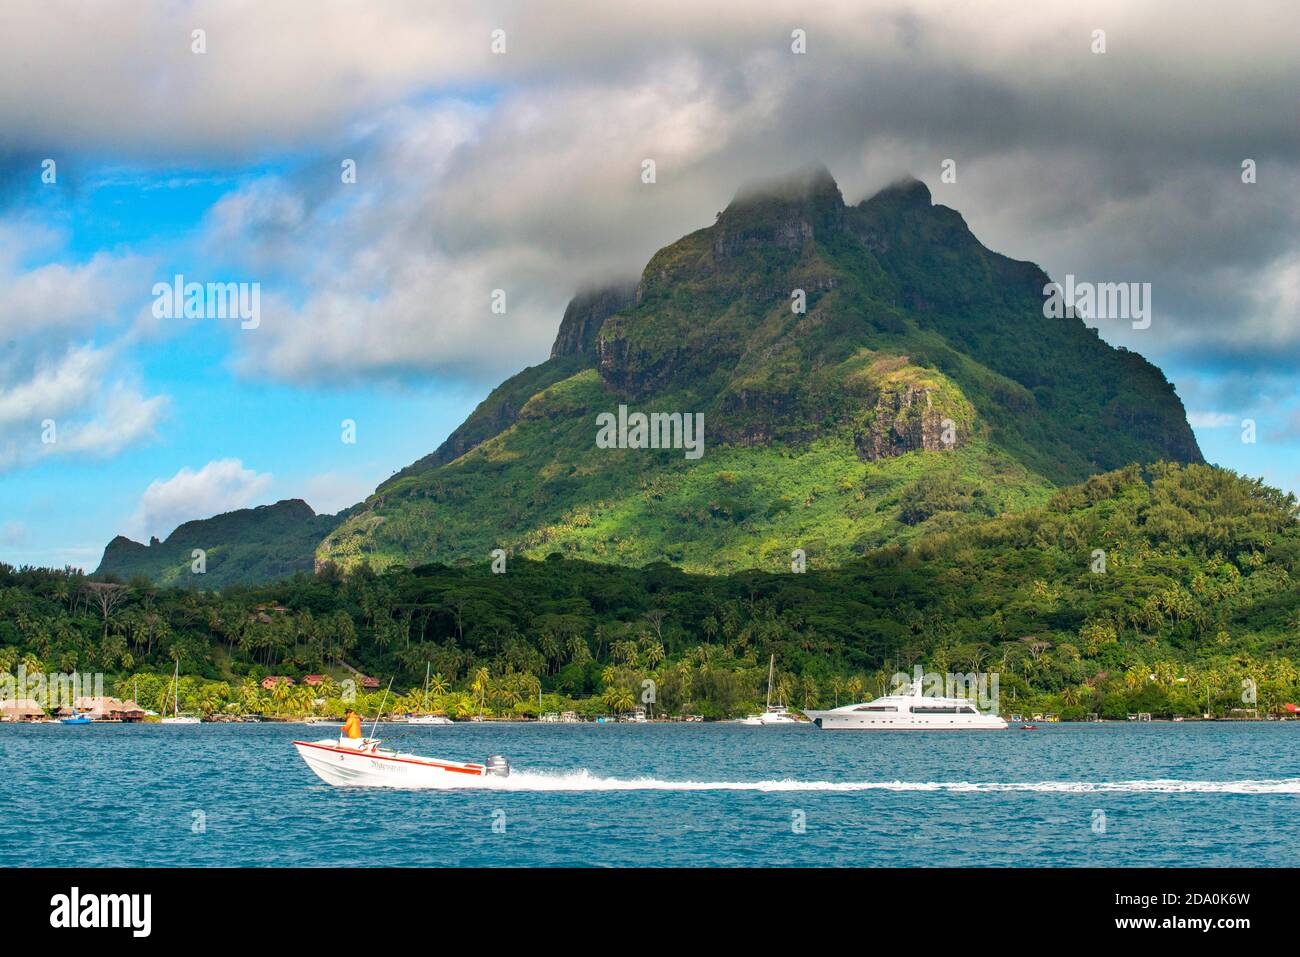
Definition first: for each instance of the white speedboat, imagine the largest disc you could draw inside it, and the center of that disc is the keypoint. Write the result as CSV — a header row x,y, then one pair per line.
x,y
908,712
361,762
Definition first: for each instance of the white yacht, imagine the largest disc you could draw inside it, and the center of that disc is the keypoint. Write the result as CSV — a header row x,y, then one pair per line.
x,y
908,712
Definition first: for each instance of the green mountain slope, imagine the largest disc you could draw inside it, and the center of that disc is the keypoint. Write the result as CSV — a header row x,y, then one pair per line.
x,y
248,545
920,389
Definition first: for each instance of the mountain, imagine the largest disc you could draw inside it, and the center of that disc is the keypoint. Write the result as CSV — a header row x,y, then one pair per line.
x,y
248,545
920,388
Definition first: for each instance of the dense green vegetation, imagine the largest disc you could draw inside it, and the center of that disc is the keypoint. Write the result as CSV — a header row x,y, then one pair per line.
x,y
248,545
1197,593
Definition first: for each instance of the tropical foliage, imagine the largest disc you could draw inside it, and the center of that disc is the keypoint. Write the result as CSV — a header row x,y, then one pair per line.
x,y
1158,590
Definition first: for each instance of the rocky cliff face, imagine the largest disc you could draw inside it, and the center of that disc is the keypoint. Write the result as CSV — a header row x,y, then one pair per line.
x,y
906,420
586,313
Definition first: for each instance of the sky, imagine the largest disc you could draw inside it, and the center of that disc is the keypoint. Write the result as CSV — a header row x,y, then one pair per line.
x,y
500,146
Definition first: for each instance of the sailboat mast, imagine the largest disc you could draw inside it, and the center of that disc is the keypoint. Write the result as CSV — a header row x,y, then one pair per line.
x,y
426,687
771,665
176,691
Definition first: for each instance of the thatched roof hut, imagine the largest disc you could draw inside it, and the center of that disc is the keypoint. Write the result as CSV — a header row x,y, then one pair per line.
x,y
20,709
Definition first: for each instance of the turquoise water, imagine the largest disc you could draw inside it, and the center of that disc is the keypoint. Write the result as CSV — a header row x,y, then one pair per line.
x,y
661,795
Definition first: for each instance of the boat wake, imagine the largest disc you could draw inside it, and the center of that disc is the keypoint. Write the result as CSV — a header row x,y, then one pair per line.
x,y
584,780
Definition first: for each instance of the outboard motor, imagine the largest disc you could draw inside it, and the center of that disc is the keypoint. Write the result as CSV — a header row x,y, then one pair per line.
x,y
498,765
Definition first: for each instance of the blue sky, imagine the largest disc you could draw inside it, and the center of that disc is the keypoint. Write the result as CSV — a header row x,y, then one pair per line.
x,y
288,432
519,170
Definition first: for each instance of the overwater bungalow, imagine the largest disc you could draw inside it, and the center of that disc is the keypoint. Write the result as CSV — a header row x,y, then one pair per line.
x,y
105,708
21,709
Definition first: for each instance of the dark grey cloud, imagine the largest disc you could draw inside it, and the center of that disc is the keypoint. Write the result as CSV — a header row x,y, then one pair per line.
x,y
520,171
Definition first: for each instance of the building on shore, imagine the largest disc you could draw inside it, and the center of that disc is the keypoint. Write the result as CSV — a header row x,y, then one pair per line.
x,y
104,708
21,709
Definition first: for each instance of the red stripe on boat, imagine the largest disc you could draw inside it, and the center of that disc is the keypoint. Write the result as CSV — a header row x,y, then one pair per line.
x,y
463,769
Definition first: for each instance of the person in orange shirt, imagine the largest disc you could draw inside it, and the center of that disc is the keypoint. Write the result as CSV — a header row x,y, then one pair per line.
x,y
351,725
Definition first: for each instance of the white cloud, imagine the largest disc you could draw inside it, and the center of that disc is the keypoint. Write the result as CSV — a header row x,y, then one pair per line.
x,y
54,387
64,332
535,190
1212,420
454,201
138,86
1116,167
332,492
73,405
222,485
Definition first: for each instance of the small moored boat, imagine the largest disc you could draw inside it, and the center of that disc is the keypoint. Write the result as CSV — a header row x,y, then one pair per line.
x,y
425,717
176,717
773,713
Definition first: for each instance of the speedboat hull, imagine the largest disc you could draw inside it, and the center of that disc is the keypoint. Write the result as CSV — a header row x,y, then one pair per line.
x,y
343,764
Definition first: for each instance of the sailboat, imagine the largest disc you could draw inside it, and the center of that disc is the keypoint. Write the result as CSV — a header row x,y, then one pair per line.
x,y
772,714
427,718
176,716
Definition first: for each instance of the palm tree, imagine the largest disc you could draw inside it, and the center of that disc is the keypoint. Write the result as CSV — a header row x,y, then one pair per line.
x,y
1137,676
282,693
808,687
618,699
652,653
579,653
550,648
530,686
479,686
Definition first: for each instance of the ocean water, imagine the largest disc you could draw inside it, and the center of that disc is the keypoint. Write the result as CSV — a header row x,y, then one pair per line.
x,y
661,795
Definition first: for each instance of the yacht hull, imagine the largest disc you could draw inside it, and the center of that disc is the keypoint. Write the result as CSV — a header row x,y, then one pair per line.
x,y
839,721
